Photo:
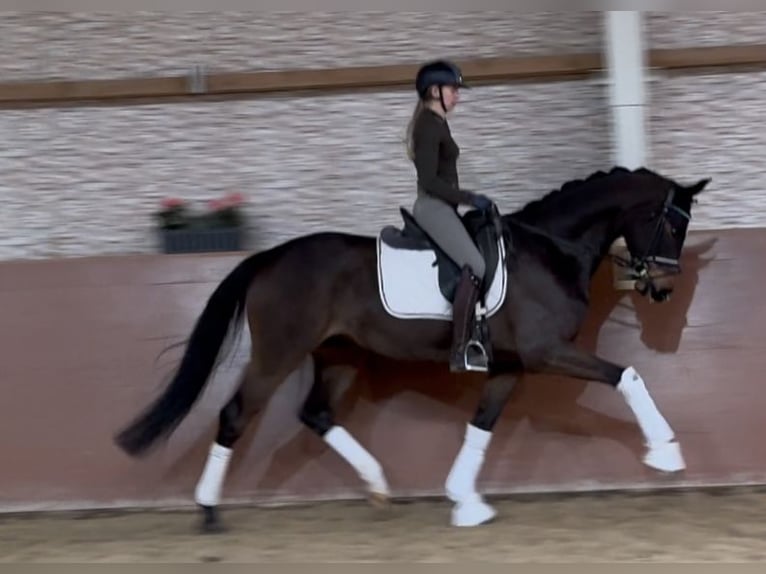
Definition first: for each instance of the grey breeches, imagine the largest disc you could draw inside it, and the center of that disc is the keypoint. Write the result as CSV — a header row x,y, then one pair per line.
x,y
442,223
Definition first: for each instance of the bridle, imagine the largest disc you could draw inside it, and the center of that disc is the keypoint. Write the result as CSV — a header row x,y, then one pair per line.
x,y
638,266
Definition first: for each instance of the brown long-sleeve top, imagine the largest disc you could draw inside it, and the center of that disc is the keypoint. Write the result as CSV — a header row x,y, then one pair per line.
x,y
436,155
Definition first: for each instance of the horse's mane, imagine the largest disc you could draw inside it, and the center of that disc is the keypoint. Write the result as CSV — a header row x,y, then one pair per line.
x,y
575,185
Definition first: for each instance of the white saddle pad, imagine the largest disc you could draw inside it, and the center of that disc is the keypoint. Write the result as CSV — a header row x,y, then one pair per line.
x,y
409,284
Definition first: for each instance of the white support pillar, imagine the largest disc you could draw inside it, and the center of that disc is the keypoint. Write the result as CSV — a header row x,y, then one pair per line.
x,y
625,59
626,63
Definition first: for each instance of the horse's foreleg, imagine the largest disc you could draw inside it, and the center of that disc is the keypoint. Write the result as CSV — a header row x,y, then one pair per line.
x,y
317,415
663,451
470,508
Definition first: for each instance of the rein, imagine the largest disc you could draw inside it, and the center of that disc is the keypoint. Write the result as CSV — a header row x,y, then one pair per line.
x,y
539,231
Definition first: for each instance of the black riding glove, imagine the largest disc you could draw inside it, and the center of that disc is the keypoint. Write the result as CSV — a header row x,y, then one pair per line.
x,y
481,202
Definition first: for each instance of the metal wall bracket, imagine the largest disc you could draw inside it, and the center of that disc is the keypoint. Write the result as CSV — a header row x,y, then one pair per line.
x,y
197,80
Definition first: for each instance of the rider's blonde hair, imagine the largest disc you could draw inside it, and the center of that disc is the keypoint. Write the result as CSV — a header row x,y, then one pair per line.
x,y
410,128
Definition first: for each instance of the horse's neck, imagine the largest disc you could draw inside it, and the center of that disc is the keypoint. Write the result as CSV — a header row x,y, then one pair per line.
x,y
597,241
590,221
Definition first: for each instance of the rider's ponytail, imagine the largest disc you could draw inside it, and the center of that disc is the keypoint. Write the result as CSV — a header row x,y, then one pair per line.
x,y
410,127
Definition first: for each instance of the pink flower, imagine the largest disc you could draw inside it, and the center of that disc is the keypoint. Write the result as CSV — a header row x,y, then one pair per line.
x,y
171,202
233,199
215,204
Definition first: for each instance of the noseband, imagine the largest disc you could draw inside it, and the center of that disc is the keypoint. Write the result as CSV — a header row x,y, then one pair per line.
x,y
639,266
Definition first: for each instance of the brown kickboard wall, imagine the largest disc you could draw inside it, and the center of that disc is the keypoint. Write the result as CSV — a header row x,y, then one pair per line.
x,y
81,340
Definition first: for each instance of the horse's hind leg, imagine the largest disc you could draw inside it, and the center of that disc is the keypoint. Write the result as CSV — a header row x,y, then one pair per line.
x,y
233,419
470,508
317,415
663,451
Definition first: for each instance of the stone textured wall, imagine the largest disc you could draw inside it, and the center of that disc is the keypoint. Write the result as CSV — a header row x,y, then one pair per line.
x,y
710,124
689,29
85,181
71,45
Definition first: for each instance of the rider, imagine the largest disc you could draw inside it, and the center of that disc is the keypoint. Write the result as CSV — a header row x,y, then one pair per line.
x,y
435,153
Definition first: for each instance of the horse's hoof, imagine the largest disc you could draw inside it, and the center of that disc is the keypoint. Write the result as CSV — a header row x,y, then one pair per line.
x,y
472,513
379,499
211,523
665,458
212,528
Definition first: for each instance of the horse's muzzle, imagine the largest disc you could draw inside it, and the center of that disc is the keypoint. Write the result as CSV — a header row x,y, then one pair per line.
x,y
657,282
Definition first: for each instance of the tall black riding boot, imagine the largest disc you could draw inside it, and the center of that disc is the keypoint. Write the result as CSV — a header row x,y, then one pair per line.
x,y
466,355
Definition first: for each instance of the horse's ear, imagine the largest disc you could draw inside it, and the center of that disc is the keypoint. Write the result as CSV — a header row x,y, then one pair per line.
x,y
693,190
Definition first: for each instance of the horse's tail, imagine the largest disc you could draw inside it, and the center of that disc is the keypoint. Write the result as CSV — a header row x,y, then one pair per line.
x,y
223,312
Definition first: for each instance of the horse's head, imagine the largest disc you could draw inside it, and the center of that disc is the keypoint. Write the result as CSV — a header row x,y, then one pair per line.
x,y
655,232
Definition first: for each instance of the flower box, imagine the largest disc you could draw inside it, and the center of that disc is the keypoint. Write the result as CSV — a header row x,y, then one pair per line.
x,y
220,228
201,240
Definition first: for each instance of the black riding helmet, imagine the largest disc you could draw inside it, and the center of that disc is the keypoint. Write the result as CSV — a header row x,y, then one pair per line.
x,y
438,73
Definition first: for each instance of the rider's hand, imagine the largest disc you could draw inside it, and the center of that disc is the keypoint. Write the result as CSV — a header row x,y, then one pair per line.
x,y
480,201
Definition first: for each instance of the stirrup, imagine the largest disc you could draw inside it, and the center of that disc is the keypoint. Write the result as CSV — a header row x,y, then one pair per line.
x,y
481,363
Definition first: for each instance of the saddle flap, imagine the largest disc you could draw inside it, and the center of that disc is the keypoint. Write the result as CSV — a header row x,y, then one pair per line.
x,y
410,236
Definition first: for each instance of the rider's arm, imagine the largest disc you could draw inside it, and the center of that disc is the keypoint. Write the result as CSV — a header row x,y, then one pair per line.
x,y
426,148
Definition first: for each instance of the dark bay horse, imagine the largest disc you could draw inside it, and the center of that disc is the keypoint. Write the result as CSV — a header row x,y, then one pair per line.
x,y
318,287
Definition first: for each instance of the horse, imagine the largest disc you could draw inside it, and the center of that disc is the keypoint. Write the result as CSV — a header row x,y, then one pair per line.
x,y
390,295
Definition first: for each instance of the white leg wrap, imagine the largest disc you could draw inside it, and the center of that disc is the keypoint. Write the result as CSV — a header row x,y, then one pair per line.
x,y
470,508
664,454
461,482
366,466
654,426
208,491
